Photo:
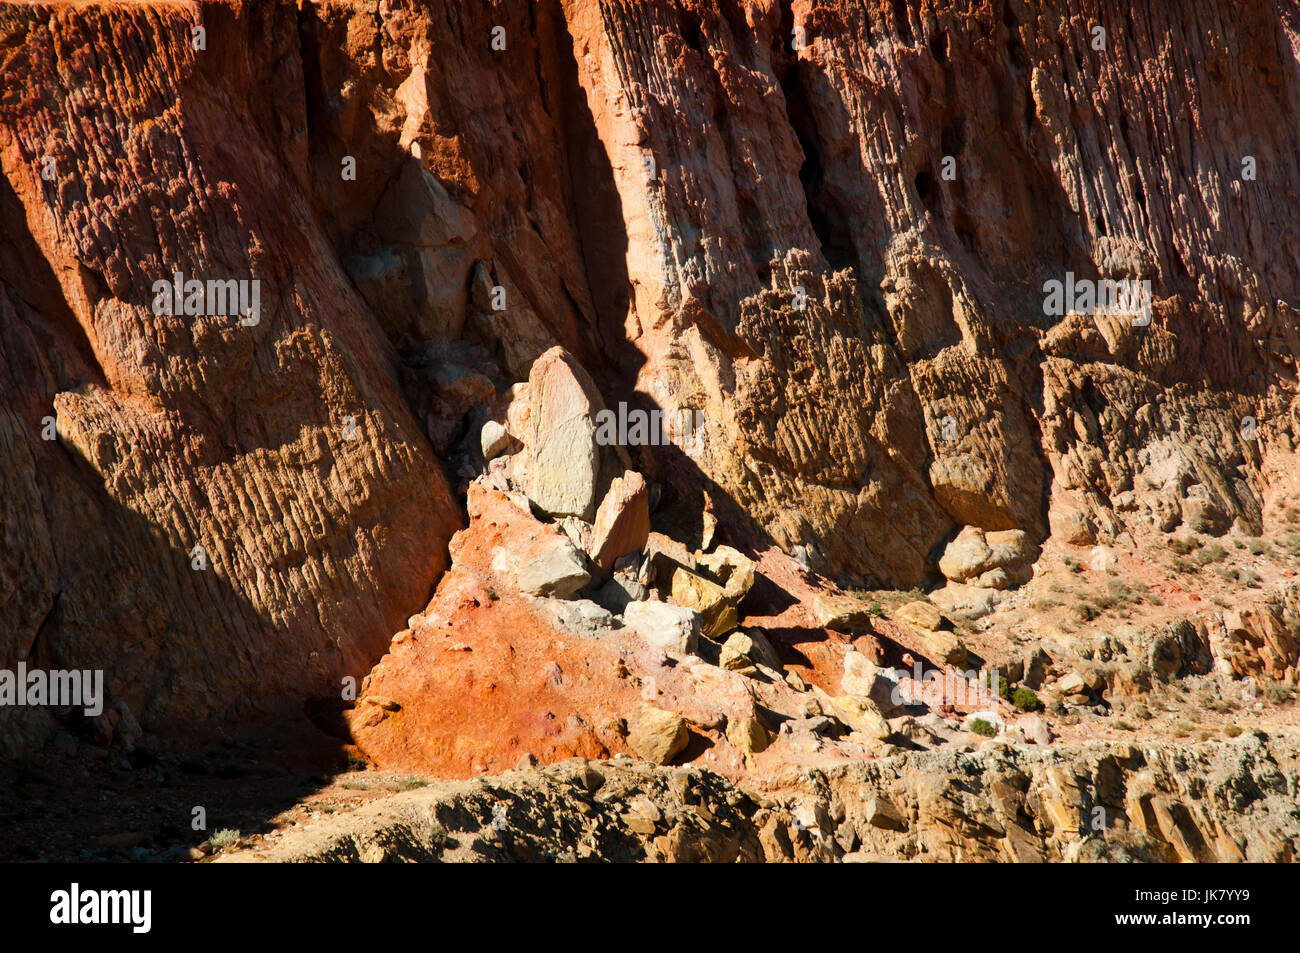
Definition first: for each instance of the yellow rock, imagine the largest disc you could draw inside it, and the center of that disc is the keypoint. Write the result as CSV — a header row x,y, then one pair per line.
x,y
861,715
732,568
920,616
748,735
708,599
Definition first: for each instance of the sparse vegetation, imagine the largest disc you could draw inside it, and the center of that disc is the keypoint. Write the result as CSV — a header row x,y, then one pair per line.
x,y
408,784
1184,545
1275,693
1212,553
1025,699
1004,688
1232,731
224,838
1125,726
982,727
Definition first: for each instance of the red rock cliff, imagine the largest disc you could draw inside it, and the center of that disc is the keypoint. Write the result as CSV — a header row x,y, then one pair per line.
x,y
744,209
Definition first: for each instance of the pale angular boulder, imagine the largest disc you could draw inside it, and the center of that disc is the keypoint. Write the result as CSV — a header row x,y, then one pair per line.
x,y
761,650
670,627
546,564
656,735
966,556
622,521
995,560
1071,684
1072,526
737,654
563,457
862,679
731,568
842,613
1035,729
946,647
861,715
493,439
962,601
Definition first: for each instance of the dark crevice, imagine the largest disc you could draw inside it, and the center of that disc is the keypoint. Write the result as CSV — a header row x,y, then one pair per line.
x,y
595,207
901,23
692,33
1015,49
925,189
826,214
953,139
939,47
36,286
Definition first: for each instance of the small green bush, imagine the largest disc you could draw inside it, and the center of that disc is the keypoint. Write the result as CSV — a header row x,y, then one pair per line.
x,y
223,838
982,727
1025,699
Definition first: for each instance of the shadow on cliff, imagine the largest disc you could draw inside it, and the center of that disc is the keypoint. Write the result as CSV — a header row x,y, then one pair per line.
x,y
102,588
595,208
128,780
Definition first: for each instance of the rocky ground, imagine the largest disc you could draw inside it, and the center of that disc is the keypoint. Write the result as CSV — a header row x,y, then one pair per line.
x,y
1232,801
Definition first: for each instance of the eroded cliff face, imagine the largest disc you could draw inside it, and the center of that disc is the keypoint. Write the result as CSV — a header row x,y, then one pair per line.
x,y
741,209
803,147
279,443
